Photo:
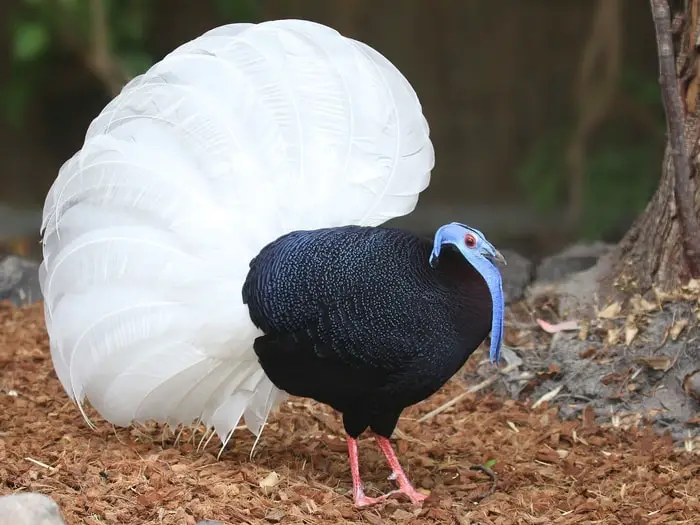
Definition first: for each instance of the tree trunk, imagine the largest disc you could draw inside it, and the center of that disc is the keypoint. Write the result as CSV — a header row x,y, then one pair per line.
x,y
660,249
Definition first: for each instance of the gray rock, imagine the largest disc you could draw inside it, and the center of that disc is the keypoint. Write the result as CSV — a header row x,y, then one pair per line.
x,y
517,274
29,509
574,259
19,280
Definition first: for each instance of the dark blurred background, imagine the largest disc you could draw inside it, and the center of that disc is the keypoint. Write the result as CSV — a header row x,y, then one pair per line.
x,y
545,114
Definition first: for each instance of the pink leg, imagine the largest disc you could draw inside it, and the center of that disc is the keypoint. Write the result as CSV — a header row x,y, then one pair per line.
x,y
358,494
398,473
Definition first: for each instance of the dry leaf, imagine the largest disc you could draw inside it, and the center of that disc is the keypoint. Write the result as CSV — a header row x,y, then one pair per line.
x,y
641,305
677,328
655,362
270,481
693,286
613,336
611,311
631,329
558,327
661,296
547,397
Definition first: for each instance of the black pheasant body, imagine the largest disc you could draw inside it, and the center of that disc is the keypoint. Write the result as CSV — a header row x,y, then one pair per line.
x,y
355,317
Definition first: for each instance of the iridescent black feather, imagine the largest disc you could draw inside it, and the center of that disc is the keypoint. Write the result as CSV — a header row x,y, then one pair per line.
x,y
356,318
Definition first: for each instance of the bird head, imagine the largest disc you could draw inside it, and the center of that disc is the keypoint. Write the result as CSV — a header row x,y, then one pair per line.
x,y
481,254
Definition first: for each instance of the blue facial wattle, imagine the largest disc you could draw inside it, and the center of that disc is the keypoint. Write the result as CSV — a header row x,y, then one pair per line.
x,y
492,277
454,234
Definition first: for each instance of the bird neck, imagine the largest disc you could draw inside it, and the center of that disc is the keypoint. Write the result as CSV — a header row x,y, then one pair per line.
x,y
454,270
464,285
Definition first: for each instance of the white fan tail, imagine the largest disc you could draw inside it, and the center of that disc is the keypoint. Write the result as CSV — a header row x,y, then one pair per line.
x,y
235,138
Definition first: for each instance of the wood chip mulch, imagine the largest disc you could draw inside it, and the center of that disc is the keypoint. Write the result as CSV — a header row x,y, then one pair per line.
x,y
549,471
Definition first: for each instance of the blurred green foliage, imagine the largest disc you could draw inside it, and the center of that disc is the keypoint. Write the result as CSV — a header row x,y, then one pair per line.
x,y
43,29
622,166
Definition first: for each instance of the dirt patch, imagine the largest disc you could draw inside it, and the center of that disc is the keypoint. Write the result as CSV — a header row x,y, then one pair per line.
x,y
632,363
550,471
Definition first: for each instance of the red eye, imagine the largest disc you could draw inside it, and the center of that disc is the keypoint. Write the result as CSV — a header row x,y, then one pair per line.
x,y
470,240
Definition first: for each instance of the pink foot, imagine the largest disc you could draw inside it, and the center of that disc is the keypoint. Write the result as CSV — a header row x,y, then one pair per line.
x,y
365,501
358,494
405,487
398,474
417,498
361,500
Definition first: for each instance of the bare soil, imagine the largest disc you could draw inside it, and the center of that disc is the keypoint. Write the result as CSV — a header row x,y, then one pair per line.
x,y
633,360
550,471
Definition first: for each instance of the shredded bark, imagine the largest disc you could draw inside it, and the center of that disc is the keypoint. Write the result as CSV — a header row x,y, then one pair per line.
x,y
549,471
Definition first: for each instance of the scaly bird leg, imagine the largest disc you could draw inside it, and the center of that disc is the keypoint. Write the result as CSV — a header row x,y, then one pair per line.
x,y
398,474
405,487
358,494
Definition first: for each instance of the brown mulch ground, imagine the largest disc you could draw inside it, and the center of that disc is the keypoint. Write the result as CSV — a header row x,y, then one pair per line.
x,y
549,471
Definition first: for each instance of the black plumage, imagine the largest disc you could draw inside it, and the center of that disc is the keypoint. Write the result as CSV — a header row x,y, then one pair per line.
x,y
355,317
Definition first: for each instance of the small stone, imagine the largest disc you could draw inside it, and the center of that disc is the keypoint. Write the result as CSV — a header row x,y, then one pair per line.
x,y
516,275
574,259
19,280
29,509
209,522
691,385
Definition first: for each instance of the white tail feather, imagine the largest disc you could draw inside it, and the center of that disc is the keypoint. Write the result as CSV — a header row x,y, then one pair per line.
x,y
235,138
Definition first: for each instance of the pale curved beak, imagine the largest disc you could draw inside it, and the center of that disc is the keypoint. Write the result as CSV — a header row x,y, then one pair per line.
x,y
499,257
495,256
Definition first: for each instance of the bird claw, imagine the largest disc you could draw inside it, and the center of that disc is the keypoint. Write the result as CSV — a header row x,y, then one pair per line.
x,y
365,501
412,494
397,475
416,497
361,500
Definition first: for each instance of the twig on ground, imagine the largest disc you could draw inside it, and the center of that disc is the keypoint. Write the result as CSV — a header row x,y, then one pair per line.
x,y
400,434
40,464
470,390
548,396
